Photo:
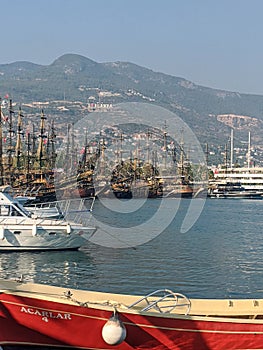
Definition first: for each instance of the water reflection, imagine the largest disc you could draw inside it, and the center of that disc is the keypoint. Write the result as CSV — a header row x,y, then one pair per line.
x,y
57,268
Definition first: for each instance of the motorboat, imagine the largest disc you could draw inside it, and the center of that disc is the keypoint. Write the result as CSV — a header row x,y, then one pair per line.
x,y
57,317
23,230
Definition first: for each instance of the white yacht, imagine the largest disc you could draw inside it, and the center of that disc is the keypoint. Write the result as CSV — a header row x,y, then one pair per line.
x,y
20,230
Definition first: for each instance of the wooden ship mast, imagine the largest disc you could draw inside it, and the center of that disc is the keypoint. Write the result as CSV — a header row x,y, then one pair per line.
x,y
41,151
18,149
26,168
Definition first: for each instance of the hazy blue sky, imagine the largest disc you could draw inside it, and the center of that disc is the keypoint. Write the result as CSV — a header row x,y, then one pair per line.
x,y
215,43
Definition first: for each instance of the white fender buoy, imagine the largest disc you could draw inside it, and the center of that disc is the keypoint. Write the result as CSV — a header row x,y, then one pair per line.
x,y
114,331
34,230
2,234
68,228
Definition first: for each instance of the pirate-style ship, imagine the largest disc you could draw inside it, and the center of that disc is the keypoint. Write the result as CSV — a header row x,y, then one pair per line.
x,y
26,167
141,174
28,162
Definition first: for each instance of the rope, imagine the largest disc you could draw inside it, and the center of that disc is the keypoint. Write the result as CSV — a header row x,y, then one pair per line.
x,y
111,303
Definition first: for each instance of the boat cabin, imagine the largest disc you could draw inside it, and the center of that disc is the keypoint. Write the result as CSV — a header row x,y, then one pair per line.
x,y
9,206
9,210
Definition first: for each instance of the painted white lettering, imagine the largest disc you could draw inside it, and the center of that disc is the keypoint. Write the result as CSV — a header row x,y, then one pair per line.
x,y
67,316
45,314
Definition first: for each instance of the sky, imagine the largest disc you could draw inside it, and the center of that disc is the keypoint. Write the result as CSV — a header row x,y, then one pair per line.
x,y
214,43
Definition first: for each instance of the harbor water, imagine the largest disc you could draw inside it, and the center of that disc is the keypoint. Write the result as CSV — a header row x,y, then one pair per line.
x,y
220,256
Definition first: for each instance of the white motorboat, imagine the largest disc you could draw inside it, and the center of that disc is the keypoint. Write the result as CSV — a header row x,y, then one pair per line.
x,y
22,230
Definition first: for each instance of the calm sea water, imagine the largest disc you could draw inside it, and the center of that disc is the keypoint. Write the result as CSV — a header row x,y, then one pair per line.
x,y
219,257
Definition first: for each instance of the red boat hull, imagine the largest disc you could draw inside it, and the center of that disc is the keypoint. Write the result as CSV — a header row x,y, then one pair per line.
x,y
29,321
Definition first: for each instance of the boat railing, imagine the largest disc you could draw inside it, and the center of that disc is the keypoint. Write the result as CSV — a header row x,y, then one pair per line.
x,y
164,301
73,210
78,210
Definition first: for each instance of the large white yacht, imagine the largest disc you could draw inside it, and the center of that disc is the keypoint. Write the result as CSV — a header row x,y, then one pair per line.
x,y
251,179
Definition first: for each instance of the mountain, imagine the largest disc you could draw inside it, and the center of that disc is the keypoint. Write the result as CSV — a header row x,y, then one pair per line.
x,y
209,112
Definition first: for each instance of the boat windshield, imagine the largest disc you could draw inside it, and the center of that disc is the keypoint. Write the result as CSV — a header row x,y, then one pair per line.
x,y
22,210
13,210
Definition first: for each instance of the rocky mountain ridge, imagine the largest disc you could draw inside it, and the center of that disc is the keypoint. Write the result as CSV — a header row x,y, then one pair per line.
x,y
76,78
